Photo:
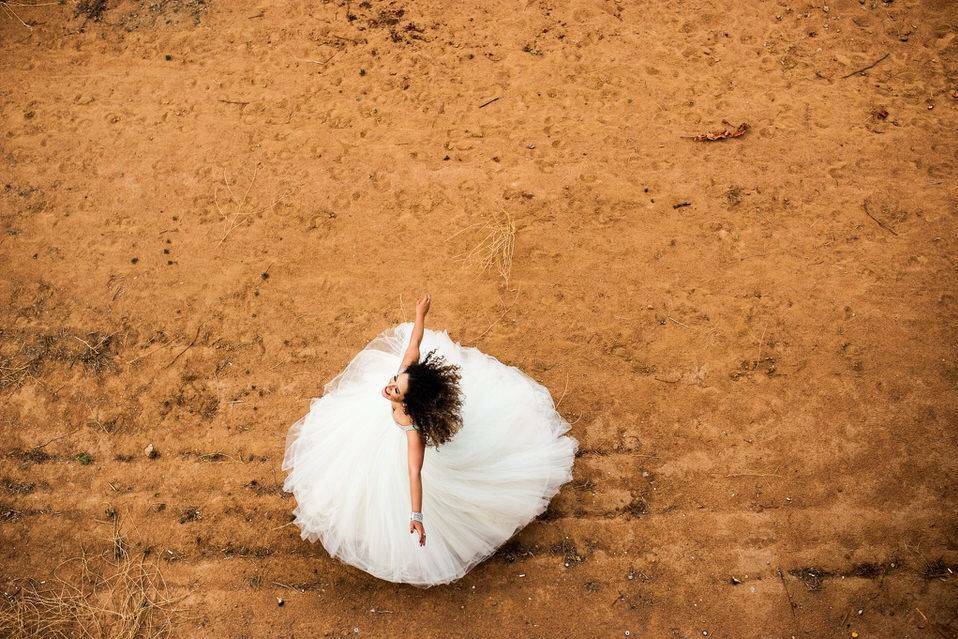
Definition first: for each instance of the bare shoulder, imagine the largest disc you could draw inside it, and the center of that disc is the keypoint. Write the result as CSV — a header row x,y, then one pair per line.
x,y
400,416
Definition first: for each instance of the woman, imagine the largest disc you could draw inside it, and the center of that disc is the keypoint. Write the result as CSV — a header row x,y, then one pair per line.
x,y
466,447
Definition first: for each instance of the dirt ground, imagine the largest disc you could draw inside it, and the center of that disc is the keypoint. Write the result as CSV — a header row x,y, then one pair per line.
x,y
208,208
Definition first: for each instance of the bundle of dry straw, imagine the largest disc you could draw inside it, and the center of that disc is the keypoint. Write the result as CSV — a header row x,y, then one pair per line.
x,y
497,246
106,596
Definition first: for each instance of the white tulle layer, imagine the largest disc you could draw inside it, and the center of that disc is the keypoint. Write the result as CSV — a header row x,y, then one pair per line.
x,y
346,465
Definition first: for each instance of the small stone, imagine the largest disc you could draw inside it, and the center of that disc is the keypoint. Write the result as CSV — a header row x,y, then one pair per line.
x,y
167,57
735,581
627,633
150,451
280,602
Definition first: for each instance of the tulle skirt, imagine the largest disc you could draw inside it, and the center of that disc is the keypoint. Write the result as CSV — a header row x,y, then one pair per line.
x,y
346,464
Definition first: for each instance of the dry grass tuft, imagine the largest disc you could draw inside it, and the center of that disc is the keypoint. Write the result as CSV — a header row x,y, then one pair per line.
x,y
34,352
497,246
107,596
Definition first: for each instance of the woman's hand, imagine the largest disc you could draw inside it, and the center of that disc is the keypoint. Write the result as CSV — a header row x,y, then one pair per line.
x,y
422,306
416,526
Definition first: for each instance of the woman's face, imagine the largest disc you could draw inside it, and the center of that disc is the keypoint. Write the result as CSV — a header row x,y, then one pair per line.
x,y
396,387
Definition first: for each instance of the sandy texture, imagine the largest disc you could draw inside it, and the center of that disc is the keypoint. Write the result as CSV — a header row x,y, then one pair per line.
x,y
207,209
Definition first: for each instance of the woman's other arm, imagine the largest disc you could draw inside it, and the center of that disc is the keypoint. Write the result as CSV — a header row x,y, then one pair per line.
x,y
416,453
412,352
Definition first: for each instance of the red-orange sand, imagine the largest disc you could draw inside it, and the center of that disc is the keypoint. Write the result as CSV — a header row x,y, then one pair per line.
x,y
208,208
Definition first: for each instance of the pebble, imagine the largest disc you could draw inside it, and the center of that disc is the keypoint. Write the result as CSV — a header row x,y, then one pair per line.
x,y
150,451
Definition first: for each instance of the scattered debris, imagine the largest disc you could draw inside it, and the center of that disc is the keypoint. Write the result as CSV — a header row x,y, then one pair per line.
x,y
730,131
811,577
12,487
190,514
938,569
91,9
679,205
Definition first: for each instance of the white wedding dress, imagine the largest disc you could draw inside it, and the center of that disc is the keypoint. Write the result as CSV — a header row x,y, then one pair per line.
x,y
346,464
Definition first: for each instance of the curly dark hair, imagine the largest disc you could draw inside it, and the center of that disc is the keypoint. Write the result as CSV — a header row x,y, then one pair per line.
x,y
432,398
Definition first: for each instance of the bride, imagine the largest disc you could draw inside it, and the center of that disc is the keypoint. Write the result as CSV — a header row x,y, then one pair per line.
x,y
456,443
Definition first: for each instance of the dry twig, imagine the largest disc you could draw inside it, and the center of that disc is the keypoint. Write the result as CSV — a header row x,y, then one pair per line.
x,y
866,68
877,221
188,347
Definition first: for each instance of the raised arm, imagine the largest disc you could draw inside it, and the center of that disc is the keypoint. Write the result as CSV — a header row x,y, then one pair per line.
x,y
416,452
411,355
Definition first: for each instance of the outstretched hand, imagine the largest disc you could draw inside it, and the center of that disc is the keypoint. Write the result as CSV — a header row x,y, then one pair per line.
x,y
422,306
415,526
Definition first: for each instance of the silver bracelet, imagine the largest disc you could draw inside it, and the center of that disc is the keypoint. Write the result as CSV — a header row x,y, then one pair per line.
x,y
416,517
